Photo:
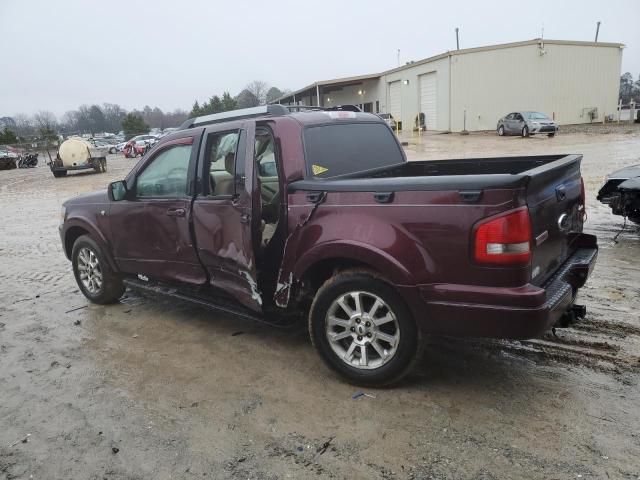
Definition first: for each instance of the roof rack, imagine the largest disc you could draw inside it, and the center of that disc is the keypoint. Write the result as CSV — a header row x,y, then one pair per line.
x,y
273,109
339,108
234,115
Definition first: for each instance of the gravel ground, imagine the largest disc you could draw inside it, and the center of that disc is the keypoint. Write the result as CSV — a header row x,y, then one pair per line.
x,y
153,389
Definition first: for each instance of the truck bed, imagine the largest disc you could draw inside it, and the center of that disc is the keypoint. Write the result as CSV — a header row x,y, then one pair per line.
x,y
455,174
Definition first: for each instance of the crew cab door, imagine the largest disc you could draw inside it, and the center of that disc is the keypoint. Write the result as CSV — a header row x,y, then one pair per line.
x,y
150,227
222,212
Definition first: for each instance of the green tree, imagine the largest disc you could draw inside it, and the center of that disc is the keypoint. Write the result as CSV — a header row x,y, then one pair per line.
x,y
228,102
133,125
195,110
8,137
273,93
626,87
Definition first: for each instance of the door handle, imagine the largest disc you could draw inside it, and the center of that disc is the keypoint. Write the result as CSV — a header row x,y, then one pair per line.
x,y
176,212
245,217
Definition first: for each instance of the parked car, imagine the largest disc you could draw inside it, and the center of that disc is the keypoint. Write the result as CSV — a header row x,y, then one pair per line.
x,y
389,120
621,191
104,146
526,123
8,159
267,215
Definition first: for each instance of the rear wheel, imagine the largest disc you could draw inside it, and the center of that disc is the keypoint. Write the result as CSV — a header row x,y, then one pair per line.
x,y
93,274
501,130
61,173
551,135
525,131
362,329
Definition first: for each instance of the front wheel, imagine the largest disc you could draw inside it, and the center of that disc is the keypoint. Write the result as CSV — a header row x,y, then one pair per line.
x,y
551,135
525,131
501,131
93,274
362,329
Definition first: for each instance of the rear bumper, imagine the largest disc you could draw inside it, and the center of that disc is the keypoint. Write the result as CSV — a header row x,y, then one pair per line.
x,y
523,312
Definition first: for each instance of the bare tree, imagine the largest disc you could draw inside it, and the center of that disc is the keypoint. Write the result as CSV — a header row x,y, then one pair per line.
x,y
24,125
258,89
45,121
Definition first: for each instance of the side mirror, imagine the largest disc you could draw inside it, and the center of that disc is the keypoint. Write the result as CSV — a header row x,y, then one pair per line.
x,y
118,190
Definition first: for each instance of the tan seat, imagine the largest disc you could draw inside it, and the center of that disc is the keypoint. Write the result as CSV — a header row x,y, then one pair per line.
x,y
222,182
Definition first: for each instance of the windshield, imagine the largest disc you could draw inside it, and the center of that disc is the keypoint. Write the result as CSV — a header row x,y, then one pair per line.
x,y
345,148
535,116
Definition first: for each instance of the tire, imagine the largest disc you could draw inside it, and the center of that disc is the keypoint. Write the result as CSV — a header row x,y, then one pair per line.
x,y
525,131
501,131
98,282
395,359
59,174
113,150
551,135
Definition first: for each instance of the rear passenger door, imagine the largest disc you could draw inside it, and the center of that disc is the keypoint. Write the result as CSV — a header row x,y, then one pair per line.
x,y
222,212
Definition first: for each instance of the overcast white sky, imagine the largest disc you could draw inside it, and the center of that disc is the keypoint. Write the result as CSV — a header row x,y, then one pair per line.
x,y
57,55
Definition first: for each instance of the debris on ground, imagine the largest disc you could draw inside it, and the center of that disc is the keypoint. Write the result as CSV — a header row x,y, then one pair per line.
x,y
77,308
115,450
323,448
77,322
357,395
24,439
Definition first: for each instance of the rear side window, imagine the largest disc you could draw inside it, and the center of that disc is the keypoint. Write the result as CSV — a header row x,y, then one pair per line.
x,y
346,148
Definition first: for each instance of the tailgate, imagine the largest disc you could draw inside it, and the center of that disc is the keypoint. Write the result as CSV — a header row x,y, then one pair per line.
x,y
556,207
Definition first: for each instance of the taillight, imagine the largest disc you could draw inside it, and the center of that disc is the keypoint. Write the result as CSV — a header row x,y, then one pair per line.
x,y
504,240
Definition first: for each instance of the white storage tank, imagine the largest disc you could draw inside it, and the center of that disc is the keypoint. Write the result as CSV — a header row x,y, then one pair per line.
x,y
76,151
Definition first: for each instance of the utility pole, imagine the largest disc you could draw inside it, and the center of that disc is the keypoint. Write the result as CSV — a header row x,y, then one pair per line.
x,y
597,31
457,40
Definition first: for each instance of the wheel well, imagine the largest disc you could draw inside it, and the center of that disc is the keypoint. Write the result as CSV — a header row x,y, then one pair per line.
x,y
323,270
70,238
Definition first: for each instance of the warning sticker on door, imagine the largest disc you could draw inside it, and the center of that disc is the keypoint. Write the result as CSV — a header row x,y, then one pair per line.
x,y
318,170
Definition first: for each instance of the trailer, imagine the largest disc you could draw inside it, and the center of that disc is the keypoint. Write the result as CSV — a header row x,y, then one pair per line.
x,y
77,154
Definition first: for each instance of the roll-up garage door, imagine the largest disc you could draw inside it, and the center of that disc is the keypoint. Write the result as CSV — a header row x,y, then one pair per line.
x,y
395,107
428,99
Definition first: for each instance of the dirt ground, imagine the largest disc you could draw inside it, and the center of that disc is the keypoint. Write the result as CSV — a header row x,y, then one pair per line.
x,y
155,389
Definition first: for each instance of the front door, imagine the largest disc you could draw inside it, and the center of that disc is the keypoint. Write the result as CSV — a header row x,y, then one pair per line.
x,y
150,228
222,212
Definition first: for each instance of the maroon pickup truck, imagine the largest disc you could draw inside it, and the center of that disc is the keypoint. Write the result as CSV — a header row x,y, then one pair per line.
x,y
275,214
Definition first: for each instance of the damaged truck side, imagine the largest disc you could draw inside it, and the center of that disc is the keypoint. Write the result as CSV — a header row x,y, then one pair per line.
x,y
277,215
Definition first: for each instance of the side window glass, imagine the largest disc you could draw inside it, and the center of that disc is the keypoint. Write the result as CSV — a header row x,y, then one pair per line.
x,y
222,152
166,175
265,155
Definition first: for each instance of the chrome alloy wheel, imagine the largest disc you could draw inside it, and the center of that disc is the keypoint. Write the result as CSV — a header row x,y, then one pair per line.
x,y
362,330
89,271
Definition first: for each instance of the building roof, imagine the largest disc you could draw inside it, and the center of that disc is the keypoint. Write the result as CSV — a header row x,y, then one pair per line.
x,y
337,82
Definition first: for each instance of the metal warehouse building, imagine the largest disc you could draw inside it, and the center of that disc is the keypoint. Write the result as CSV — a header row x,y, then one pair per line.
x,y
571,81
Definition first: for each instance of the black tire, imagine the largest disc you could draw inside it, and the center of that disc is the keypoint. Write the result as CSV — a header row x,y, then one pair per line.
x,y
408,346
59,174
525,131
113,150
111,288
501,131
551,135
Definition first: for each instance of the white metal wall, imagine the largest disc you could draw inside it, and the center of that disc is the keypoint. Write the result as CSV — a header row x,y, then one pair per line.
x,y
561,80
428,99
